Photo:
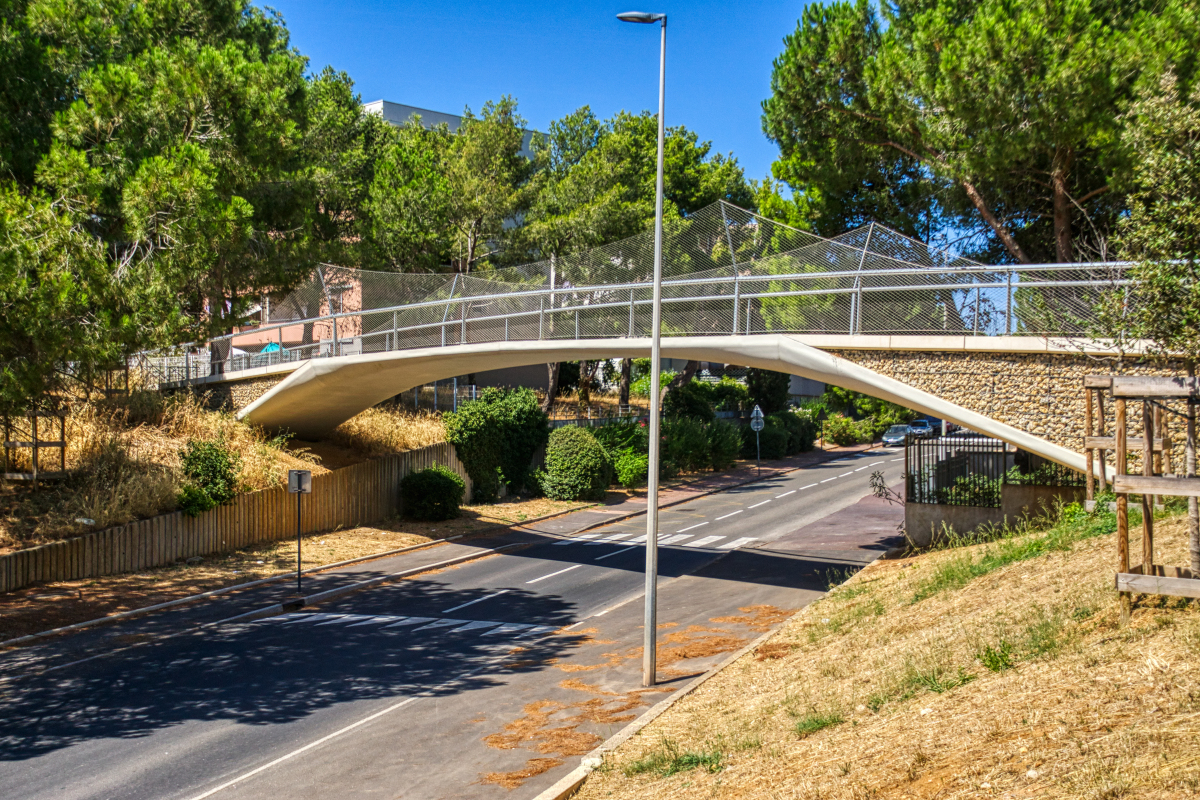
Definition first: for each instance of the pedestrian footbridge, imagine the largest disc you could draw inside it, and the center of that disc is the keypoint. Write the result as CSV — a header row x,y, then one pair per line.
x,y
738,289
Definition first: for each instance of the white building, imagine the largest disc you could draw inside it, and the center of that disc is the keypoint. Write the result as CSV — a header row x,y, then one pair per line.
x,y
399,114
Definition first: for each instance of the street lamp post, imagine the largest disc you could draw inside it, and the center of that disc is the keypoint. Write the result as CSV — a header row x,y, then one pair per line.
x,y
649,637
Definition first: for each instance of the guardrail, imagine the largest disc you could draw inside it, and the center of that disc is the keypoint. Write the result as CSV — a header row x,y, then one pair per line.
x,y
1041,300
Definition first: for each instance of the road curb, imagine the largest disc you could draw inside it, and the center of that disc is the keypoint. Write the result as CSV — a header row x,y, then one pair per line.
x,y
332,594
573,780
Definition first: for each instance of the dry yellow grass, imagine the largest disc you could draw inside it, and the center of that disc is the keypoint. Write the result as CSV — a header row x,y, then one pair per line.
x,y
379,431
125,456
869,694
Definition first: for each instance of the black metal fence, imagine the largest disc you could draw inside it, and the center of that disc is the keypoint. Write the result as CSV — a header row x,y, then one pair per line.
x,y
956,471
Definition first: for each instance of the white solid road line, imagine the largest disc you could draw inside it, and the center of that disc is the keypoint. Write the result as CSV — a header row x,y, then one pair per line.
x,y
736,543
707,540
306,748
552,574
756,505
682,530
615,553
727,516
480,600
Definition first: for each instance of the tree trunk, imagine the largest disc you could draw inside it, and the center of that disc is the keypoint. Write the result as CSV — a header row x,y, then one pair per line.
x,y
626,376
682,379
551,386
1063,249
585,383
999,228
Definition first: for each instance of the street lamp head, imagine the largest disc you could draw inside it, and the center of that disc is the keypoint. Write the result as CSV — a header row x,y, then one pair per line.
x,y
643,17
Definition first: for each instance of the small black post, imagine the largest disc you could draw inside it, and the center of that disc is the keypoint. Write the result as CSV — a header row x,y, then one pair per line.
x,y
299,482
758,454
299,590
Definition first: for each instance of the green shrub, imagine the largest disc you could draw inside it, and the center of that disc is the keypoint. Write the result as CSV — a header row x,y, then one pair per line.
x,y
768,390
210,471
685,442
576,466
841,430
692,400
773,439
496,437
730,395
620,437
640,387
724,442
632,468
433,494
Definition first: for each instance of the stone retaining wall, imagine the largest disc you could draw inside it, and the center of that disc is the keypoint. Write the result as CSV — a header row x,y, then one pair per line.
x,y
1039,393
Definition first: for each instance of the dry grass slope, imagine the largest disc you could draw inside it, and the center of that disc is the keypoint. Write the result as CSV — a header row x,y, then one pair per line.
x,y
995,670
379,431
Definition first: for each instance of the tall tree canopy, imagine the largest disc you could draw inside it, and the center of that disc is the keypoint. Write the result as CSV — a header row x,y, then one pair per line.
x,y
1001,118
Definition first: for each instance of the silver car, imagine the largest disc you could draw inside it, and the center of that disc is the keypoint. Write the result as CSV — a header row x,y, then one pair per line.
x,y
897,436
922,429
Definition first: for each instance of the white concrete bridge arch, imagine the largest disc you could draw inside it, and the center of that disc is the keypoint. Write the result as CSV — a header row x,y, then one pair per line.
x,y
322,393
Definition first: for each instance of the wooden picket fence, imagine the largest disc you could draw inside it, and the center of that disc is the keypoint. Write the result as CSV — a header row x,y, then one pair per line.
x,y
355,495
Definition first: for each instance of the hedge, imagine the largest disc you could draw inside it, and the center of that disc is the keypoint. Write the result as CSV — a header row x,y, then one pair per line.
x,y
434,493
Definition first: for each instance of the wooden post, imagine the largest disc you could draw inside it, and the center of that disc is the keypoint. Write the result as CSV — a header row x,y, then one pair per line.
x,y
1122,513
34,428
1088,454
1147,499
1103,453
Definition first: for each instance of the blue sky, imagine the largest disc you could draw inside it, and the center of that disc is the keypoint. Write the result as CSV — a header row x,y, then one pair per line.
x,y
555,57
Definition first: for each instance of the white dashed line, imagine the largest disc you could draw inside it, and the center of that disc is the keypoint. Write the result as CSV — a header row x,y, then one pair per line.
x,y
736,543
802,488
897,459
844,474
615,553
707,540
727,516
480,600
552,574
785,494
580,538
691,528
827,480
860,469
756,505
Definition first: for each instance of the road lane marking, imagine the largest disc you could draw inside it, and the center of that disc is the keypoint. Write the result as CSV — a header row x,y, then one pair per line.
x,y
474,626
305,749
827,480
552,574
442,623
785,494
844,474
682,530
727,516
610,539
736,543
615,553
339,619
707,540
473,602
307,618
756,505
802,488
375,621
674,538
509,627
581,538
409,621
896,459
865,466
639,540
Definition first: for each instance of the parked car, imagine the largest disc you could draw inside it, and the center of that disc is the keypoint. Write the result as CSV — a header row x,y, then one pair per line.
x,y
922,429
897,436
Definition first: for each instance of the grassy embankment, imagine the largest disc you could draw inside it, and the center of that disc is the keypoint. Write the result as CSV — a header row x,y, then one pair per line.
x,y
990,670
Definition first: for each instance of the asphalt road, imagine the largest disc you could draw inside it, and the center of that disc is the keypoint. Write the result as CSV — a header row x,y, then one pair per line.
x,y
485,680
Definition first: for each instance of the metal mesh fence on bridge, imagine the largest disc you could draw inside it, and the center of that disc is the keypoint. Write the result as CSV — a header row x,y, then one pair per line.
x,y
726,271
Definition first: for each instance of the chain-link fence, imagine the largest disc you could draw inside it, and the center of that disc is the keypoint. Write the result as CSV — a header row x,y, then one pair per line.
x,y
726,271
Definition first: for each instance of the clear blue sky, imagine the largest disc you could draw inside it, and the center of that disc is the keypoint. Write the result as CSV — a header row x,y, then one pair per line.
x,y
555,57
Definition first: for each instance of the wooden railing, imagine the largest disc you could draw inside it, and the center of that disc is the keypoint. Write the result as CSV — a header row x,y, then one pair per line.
x,y
355,495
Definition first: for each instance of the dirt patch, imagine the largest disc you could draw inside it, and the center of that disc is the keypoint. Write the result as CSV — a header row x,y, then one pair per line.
x,y
696,641
773,650
511,780
760,618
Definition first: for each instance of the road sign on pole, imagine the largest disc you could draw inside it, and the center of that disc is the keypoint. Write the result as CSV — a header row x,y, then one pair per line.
x,y
757,424
299,482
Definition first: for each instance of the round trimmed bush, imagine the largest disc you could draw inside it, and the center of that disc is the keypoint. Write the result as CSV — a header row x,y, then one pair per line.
x,y
576,466
434,493
773,439
632,468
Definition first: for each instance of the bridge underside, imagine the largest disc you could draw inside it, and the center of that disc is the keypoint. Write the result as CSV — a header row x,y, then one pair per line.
x,y
323,393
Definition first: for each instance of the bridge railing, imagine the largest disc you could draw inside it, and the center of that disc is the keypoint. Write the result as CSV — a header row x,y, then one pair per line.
x,y
1040,300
